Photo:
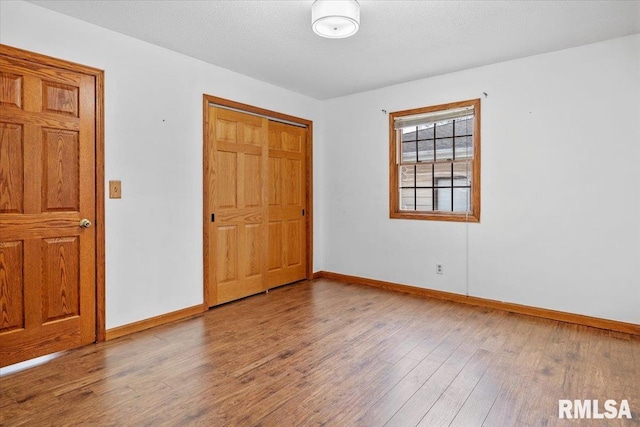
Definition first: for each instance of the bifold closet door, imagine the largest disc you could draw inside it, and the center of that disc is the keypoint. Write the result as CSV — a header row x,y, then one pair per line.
x,y
238,203
287,204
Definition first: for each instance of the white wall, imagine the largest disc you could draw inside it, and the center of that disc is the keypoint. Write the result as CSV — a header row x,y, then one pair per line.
x,y
153,143
560,224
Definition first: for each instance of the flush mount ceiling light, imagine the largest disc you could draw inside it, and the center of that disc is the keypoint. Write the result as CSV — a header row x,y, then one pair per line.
x,y
335,19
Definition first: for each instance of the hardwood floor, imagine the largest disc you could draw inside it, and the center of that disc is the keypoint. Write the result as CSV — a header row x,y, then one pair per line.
x,y
329,353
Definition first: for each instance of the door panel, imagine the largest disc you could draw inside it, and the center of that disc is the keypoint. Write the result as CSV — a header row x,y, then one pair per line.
x,y
11,168
275,181
61,270
287,196
253,170
227,254
227,176
60,175
293,243
254,238
47,185
238,231
11,95
12,286
60,98
252,133
275,245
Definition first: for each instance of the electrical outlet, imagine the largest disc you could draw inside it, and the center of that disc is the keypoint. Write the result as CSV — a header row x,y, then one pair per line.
x,y
439,269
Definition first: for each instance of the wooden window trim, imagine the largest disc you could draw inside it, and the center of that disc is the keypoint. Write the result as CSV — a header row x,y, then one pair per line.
x,y
394,202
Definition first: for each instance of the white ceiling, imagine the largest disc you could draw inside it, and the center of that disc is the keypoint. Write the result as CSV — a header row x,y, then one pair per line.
x,y
398,40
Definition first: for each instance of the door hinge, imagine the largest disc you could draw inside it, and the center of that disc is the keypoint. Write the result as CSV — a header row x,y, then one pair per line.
x,y
213,217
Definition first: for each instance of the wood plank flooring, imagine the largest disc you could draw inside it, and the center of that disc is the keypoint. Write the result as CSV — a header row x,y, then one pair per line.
x,y
334,354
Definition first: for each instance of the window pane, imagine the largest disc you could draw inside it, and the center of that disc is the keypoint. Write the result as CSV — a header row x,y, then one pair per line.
x,y
407,199
464,147
425,132
408,134
443,199
444,129
424,176
425,151
424,199
444,149
461,200
462,174
442,172
407,176
464,126
409,151
421,132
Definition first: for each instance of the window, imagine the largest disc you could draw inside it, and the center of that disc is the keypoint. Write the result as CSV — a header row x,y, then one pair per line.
x,y
435,162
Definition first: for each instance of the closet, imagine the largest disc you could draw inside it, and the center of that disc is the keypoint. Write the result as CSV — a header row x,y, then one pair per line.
x,y
256,218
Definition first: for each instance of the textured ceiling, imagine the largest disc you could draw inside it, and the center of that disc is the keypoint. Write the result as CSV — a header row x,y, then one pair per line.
x,y
398,40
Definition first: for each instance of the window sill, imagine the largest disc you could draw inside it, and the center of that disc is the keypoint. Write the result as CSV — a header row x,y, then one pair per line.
x,y
433,216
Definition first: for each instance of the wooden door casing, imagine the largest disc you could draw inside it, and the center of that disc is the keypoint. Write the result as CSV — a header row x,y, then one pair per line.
x,y
287,204
50,135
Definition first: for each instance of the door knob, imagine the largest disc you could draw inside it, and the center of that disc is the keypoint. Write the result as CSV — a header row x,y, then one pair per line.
x,y
85,223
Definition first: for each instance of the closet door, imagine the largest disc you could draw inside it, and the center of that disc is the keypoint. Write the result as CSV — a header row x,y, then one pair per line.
x,y
287,204
238,204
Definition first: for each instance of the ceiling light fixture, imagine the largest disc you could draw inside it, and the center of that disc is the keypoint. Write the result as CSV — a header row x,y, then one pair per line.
x,y
335,19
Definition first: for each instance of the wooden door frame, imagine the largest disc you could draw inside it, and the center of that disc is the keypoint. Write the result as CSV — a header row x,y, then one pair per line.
x,y
98,75
207,100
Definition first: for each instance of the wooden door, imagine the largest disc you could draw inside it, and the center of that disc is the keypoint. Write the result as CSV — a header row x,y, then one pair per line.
x,y
47,186
237,197
287,204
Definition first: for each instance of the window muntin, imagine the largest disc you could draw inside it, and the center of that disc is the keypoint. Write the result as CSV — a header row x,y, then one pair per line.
x,y
435,162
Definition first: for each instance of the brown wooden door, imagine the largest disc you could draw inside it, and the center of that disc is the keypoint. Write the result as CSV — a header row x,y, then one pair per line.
x,y
47,186
287,204
238,230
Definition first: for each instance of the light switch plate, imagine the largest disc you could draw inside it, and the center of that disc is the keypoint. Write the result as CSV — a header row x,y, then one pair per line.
x,y
115,190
